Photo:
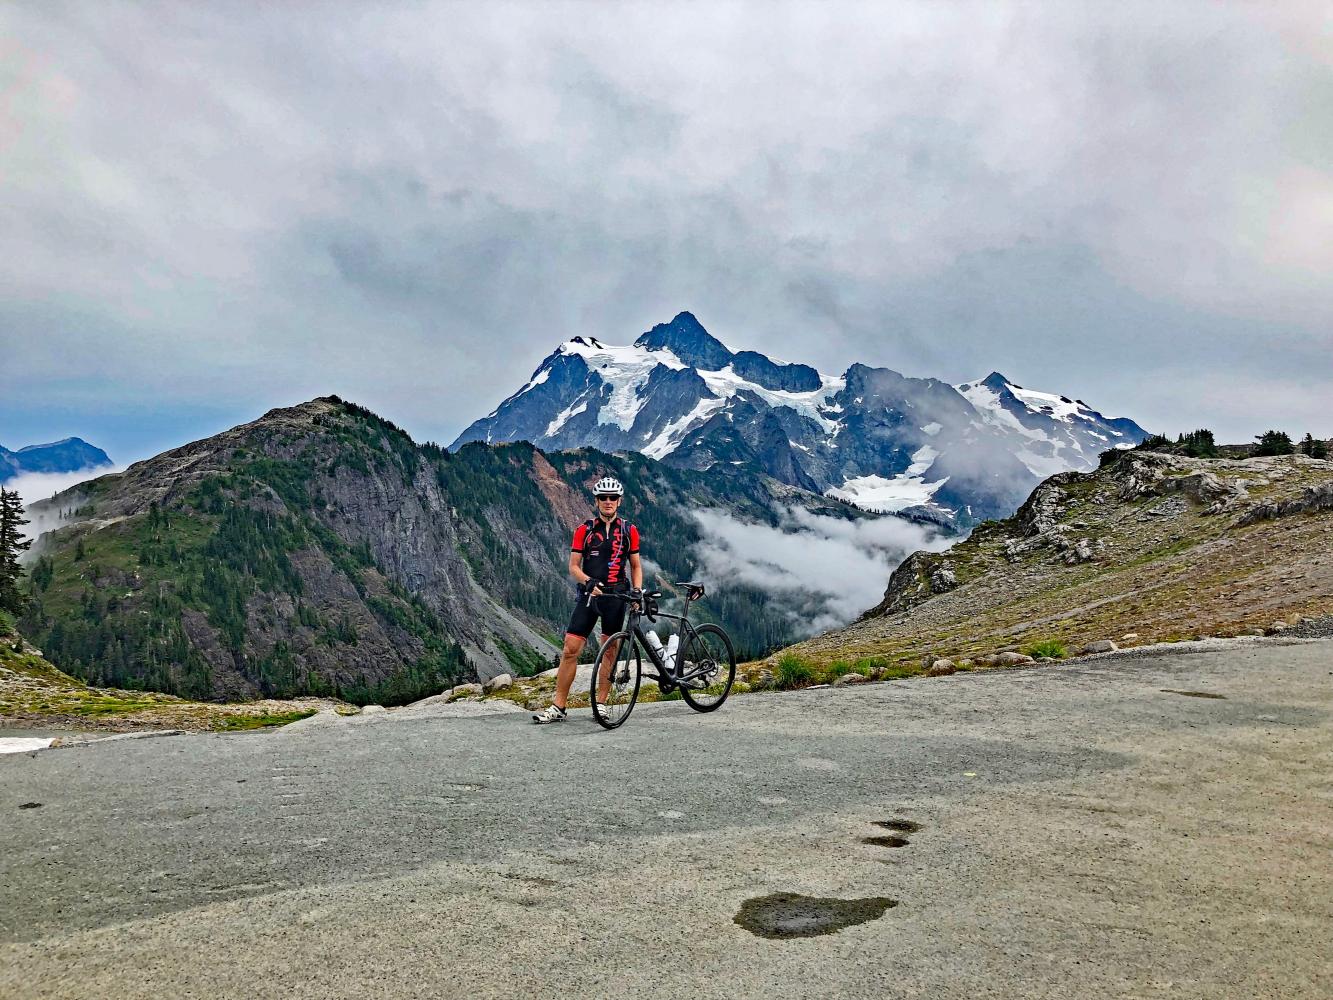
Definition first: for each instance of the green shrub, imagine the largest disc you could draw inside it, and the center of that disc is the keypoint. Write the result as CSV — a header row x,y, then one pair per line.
x,y
793,672
839,668
1047,647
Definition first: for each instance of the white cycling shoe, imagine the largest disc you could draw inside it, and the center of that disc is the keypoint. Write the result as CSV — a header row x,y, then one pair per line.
x,y
551,713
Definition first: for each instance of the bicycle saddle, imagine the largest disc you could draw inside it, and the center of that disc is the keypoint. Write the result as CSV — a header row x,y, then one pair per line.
x,y
695,589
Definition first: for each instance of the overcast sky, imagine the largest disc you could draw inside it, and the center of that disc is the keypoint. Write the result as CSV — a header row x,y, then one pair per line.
x,y
207,210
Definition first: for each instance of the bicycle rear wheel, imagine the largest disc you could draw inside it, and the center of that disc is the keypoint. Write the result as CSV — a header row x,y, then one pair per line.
x,y
709,648
615,680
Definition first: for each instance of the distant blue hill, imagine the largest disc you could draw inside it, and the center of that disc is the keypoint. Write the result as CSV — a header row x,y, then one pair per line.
x,y
70,455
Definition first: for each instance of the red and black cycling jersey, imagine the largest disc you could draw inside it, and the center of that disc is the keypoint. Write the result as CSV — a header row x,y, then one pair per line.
x,y
606,548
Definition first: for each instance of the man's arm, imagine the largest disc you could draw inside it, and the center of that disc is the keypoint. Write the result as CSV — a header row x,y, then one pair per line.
x,y
576,568
636,570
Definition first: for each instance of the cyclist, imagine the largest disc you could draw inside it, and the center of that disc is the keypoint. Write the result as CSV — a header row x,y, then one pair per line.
x,y
602,546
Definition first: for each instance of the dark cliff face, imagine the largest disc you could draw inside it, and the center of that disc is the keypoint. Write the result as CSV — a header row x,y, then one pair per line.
x,y
320,550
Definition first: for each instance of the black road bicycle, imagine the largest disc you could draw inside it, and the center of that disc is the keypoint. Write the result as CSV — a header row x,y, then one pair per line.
x,y
703,667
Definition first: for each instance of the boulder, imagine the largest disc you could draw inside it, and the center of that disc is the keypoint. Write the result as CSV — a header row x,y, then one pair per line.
x,y
1129,637
1098,646
941,668
1276,627
498,683
372,709
1012,659
465,691
846,679
1080,553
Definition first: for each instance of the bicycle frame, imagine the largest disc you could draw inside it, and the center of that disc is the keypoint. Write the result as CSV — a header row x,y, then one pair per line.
x,y
633,625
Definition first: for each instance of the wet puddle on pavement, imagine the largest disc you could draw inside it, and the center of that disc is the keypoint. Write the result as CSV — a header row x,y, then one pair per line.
x,y
885,841
784,915
1194,694
901,825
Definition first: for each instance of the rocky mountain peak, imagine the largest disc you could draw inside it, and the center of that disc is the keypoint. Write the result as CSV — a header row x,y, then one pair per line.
x,y
875,437
686,337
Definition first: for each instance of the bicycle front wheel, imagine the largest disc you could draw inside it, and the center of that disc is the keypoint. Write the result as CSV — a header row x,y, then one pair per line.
x,y
615,680
708,650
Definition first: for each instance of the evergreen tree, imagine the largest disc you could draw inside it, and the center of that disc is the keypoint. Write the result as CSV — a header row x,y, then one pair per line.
x,y
12,543
1312,446
1274,443
1198,444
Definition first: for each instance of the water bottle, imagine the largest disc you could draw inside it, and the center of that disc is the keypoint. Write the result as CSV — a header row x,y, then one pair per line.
x,y
656,644
672,645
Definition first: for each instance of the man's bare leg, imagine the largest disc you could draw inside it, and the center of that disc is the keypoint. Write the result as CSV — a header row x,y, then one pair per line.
x,y
569,665
604,675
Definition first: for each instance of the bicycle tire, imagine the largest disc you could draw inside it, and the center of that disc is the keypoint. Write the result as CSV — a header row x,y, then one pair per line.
x,y
622,688
709,699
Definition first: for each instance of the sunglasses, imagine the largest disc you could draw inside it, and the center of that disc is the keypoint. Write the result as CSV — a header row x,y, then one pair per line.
x,y
612,497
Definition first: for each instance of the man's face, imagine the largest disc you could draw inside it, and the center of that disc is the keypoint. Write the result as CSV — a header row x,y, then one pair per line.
x,y
607,504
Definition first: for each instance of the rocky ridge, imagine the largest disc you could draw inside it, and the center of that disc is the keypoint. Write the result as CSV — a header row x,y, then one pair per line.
x,y
1149,548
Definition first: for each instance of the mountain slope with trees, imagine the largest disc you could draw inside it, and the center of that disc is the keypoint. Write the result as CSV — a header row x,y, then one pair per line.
x,y
320,551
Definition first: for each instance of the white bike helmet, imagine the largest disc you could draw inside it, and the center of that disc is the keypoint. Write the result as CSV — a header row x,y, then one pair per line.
x,y
608,485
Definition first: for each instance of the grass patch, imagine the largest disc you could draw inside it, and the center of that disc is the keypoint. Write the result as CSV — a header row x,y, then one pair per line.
x,y
240,723
794,672
1047,647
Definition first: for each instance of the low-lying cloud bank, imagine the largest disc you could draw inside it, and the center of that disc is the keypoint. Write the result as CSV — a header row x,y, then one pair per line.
x,y
821,571
34,486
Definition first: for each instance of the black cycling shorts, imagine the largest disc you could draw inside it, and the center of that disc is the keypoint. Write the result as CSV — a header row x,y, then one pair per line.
x,y
584,618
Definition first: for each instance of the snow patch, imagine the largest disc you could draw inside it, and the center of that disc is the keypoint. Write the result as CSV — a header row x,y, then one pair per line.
x,y
673,433
573,409
922,459
810,404
1058,407
890,495
932,428
625,370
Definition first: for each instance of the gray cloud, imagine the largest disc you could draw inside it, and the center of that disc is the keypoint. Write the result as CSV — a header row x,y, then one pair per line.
x,y
820,571
409,205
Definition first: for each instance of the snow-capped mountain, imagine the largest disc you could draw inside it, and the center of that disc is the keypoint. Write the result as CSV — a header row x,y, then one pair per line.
x,y
871,436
